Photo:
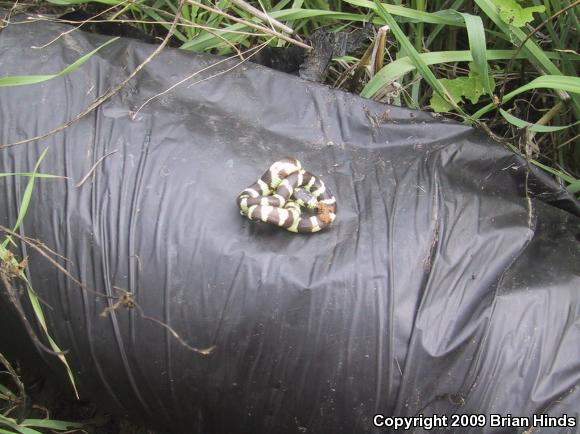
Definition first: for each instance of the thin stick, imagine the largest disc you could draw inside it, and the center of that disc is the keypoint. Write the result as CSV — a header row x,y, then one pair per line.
x,y
249,24
100,100
262,16
548,116
127,301
202,351
573,139
92,169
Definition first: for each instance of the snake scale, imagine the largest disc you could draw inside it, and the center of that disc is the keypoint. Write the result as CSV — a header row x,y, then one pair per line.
x,y
282,192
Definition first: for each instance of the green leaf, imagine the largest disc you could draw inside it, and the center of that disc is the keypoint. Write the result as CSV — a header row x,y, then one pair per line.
x,y
21,80
470,87
533,127
511,12
475,85
455,88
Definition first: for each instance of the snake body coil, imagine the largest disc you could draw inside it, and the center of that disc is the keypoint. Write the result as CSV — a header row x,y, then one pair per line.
x,y
280,194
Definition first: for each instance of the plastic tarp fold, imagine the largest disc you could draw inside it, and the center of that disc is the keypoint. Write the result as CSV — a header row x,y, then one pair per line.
x,y
449,283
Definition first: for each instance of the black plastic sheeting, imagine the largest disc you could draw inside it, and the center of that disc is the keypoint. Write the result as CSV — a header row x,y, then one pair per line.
x,y
442,288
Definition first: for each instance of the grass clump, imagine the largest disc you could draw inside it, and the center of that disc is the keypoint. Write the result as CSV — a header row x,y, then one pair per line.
x,y
508,66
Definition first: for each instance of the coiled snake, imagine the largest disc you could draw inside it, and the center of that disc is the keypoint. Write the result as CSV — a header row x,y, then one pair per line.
x,y
280,194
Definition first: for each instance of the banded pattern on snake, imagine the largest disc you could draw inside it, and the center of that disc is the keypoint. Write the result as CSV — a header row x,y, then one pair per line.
x,y
280,194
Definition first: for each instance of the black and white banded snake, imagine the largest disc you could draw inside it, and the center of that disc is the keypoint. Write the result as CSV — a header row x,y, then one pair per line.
x,y
280,194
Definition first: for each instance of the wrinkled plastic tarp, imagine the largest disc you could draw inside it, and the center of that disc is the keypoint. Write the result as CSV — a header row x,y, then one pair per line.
x,y
443,287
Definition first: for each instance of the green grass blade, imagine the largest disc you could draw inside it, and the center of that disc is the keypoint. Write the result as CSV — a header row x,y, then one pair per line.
x,y
442,17
22,80
561,82
42,320
478,48
36,175
574,187
532,127
155,17
26,430
26,197
6,392
59,425
11,423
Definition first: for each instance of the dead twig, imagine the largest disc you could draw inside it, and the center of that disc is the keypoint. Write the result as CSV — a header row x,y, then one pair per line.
x,y
202,351
572,140
127,301
92,169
